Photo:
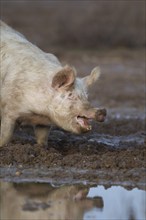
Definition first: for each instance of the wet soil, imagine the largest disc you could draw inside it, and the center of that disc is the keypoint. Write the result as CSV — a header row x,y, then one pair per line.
x,y
113,152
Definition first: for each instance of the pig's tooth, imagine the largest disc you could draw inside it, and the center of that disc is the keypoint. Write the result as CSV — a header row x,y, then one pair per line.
x,y
89,127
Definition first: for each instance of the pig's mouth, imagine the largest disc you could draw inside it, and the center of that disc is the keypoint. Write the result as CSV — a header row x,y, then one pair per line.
x,y
83,121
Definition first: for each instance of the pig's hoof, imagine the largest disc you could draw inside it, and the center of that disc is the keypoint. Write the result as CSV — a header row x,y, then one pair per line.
x,y
1,144
42,145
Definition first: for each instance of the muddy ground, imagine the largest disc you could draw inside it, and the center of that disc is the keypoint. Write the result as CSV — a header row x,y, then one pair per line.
x,y
113,152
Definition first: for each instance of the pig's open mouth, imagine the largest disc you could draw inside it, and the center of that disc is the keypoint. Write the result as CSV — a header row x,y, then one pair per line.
x,y
83,121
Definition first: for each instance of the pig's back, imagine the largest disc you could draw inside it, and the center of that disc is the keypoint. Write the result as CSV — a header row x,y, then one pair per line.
x,y
22,54
10,39
23,65
7,33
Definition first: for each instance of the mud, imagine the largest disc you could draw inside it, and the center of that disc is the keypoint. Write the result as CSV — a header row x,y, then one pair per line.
x,y
113,152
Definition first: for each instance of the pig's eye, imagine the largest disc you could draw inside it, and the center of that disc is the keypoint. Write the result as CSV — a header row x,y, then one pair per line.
x,y
70,94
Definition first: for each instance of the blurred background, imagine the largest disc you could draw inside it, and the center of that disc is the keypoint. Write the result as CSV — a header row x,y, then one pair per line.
x,y
80,24
85,34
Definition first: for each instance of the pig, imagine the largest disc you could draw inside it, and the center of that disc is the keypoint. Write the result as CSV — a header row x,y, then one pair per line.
x,y
37,89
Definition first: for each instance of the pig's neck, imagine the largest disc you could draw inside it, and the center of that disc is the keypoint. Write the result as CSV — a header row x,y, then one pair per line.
x,y
40,99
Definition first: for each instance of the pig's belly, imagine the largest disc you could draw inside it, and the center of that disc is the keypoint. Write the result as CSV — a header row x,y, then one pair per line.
x,y
34,119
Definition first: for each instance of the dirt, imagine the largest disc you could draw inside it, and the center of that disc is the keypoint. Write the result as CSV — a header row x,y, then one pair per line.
x,y
114,151
93,150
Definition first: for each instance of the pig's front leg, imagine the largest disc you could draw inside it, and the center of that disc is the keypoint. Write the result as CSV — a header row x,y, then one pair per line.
x,y
7,128
41,133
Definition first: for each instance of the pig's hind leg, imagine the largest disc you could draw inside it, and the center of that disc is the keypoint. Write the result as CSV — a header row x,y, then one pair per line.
x,y
41,133
7,128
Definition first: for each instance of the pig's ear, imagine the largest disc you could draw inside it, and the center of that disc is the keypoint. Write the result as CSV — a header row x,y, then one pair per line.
x,y
64,78
93,77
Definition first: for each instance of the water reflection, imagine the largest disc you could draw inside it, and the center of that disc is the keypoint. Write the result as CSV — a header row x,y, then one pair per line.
x,y
119,204
78,202
42,201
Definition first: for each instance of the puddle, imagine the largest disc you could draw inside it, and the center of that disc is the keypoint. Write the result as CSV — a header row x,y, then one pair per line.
x,y
78,202
118,141
119,203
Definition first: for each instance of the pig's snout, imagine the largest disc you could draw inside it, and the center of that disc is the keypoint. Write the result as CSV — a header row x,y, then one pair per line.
x,y
100,114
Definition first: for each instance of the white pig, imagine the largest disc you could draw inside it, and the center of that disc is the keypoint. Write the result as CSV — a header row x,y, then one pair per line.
x,y
37,89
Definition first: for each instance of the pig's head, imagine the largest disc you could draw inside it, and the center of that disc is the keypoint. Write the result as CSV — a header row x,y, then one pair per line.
x,y
70,107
